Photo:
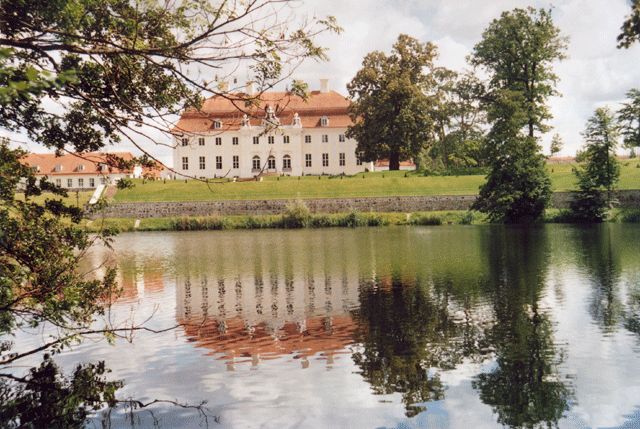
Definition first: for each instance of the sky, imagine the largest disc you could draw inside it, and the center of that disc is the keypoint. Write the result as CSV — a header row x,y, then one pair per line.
x,y
595,73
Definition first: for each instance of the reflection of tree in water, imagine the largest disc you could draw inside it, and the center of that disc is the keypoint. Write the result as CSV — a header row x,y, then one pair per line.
x,y
523,389
601,261
404,331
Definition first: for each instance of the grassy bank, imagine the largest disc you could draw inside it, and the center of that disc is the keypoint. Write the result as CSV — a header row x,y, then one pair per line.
x,y
352,219
396,183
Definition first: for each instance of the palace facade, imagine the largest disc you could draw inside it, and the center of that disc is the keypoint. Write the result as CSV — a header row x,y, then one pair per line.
x,y
281,134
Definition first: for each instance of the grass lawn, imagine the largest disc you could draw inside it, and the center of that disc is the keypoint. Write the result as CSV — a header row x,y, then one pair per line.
x,y
373,184
80,199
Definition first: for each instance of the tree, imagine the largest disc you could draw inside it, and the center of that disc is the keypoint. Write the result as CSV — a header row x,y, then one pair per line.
x,y
630,31
458,119
518,51
629,120
109,71
556,144
390,106
601,171
123,69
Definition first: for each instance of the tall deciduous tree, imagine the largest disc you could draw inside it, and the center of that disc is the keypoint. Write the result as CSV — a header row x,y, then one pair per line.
x,y
601,171
390,107
459,120
518,50
630,31
629,120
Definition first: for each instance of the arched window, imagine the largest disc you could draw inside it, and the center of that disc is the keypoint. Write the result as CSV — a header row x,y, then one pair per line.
x,y
286,163
256,163
271,163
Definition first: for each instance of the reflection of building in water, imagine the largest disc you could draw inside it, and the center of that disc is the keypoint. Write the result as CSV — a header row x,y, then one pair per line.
x,y
255,316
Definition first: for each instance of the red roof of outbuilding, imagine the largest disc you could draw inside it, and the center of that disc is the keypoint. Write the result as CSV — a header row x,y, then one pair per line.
x,y
46,163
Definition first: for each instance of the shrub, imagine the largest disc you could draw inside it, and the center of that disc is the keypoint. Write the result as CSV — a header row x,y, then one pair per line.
x,y
426,220
467,218
296,215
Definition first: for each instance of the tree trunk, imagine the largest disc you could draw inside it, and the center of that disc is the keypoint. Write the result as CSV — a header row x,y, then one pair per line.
x,y
394,160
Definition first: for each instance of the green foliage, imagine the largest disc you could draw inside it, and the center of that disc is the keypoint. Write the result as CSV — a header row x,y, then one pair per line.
x,y
629,120
297,215
46,398
390,108
458,123
426,220
40,246
601,172
556,144
518,51
124,183
630,31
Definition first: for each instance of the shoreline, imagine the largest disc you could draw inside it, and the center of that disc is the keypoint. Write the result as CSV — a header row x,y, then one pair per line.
x,y
351,219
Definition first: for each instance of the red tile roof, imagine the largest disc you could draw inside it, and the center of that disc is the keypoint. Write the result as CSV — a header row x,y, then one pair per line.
x,y
230,111
72,164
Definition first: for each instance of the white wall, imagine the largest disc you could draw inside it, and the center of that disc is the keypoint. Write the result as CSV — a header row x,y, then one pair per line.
x,y
246,150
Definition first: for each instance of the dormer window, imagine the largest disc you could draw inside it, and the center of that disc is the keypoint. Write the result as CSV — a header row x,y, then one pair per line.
x,y
217,124
58,168
35,168
324,121
80,167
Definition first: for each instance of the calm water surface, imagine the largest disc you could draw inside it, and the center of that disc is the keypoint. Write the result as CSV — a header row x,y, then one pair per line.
x,y
438,327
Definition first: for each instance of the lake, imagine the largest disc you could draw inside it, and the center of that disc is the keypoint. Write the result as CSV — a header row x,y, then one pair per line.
x,y
437,327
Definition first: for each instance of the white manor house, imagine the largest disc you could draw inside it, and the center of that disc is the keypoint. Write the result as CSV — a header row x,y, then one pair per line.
x,y
219,140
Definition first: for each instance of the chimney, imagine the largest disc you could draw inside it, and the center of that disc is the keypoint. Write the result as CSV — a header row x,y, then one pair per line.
x,y
324,85
249,87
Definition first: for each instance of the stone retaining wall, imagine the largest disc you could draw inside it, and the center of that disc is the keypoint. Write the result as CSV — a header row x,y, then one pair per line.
x,y
628,199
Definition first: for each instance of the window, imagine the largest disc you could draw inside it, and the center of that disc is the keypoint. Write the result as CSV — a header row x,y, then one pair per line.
x,y
359,157
286,162
307,138
58,168
185,141
92,182
256,140
285,139
271,139
236,161
80,167
342,159
271,163
185,163
200,141
234,141
59,182
307,160
218,141
103,181
325,159
324,121
217,124
341,138
69,183
325,138
80,183
255,164
202,163
218,163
